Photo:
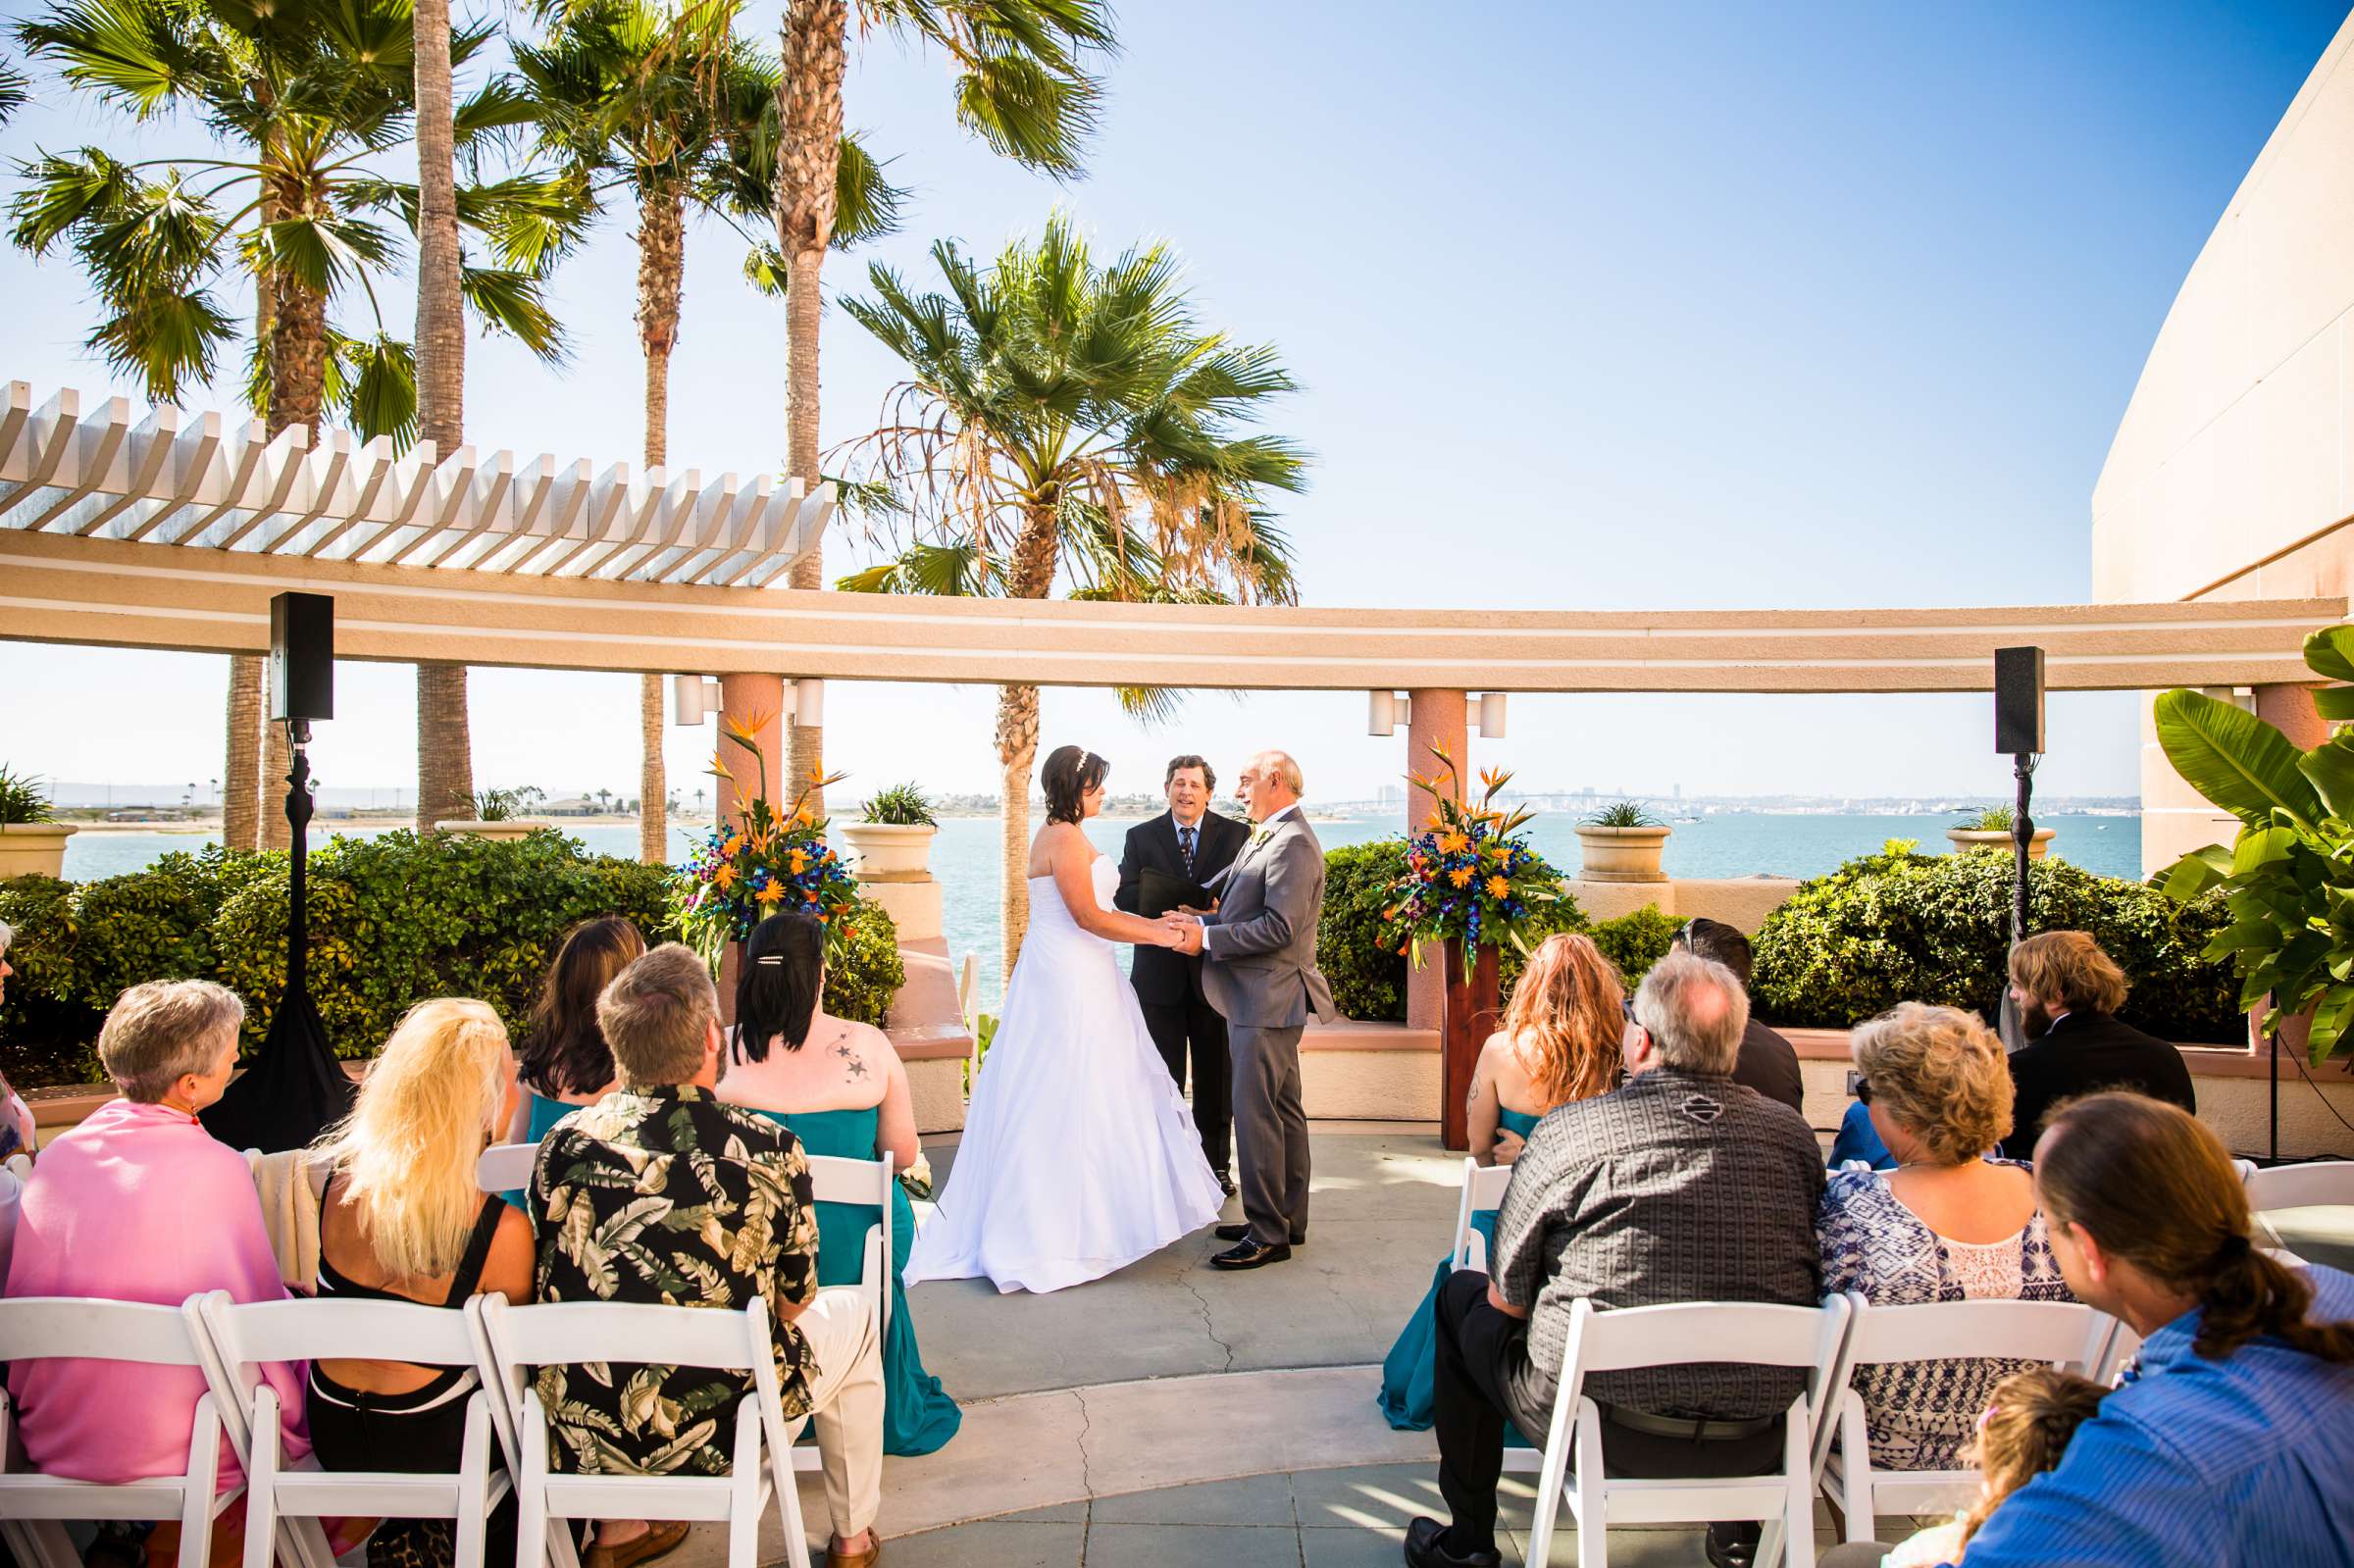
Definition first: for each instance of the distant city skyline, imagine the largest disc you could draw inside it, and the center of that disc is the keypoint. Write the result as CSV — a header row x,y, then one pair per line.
x,y
1722,306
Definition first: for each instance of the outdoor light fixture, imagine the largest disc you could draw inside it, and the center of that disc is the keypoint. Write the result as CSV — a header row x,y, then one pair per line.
x,y
1385,711
1488,717
692,698
808,706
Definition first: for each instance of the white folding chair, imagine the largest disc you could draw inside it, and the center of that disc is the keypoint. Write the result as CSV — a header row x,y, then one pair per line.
x,y
520,1339
505,1167
2065,1333
2313,1184
1746,1332
49,1328
246,1338
2122,1346
833,1180
1483,1190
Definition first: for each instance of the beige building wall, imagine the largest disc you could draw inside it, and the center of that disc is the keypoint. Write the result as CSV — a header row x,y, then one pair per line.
x,y
2232,473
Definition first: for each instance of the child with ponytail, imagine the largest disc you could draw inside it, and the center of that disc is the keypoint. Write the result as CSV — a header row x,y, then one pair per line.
x,y
2020,1436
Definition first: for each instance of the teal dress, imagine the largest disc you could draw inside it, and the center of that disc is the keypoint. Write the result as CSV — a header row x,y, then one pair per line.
x,y
918,1417
545,1114
1409,1370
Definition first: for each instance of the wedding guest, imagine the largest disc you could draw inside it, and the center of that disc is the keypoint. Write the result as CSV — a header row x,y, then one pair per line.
x,y
1946,1225
1769,1062
16,1134
1679,1186
140,1203
565,1062
2226,1443
842,1089
1857,1142
2067,992
2021,1433
402,1220
1560,1043
662,1146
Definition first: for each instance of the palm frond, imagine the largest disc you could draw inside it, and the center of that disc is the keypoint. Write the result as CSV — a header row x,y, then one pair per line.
x,y
510,301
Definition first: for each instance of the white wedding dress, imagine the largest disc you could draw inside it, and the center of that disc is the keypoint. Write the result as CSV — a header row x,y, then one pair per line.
x,y
1079,1155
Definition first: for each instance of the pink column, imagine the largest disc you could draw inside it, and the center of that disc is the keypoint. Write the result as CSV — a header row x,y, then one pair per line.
x,y
1438,719
744,698
2289,709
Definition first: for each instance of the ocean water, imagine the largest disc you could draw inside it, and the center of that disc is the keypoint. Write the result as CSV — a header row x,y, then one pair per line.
x,y
965,854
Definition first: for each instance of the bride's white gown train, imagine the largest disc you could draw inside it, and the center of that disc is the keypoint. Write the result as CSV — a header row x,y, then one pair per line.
x,y
1079,1155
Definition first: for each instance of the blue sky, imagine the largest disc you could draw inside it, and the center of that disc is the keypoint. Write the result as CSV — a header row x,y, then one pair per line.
x,y
1595,306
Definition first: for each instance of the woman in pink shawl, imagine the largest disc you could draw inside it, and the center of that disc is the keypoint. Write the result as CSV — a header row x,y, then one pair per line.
x,y
139,1203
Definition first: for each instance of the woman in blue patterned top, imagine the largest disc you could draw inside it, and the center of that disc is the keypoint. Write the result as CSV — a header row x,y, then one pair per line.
x,y
1946,1225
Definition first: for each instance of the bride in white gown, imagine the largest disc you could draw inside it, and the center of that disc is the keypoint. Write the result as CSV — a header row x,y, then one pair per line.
x,y
1079,1155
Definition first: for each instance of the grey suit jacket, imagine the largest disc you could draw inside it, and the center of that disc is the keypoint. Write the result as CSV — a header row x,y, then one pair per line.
x,y
1260,949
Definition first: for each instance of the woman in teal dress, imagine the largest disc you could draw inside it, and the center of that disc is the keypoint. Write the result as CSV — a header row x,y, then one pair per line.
x,y
842,1090
1559,1043
565,1062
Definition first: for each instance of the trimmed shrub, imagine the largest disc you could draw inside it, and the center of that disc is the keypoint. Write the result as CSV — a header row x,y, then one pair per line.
x,y
1635,941
1906,927
1369,975
395,919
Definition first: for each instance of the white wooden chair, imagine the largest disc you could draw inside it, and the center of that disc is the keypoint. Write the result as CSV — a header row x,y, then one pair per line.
x,y
1751,1334
1483,1188
505,1167
48,1327
520,1339
2313,1184
245,1338
833,1180
2122,1346
2066,1333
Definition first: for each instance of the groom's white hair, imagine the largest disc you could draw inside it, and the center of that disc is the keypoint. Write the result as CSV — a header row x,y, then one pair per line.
x,y
1281,765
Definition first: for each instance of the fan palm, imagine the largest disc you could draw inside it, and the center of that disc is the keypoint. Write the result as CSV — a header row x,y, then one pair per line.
x,y
1021,85
1062,417
666,108
297,99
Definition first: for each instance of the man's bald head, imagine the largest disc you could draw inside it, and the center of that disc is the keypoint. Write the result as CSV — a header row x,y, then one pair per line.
x,y
1695,1012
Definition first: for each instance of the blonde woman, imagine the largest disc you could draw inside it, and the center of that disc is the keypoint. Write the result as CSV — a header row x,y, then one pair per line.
x,y
1560,1043
1948,1224
402,1220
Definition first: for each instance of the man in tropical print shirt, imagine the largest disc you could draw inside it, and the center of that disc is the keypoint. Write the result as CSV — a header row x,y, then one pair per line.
x,y
659,1193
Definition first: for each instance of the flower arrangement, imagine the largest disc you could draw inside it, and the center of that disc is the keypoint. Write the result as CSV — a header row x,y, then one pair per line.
x,y
764,864
1470,875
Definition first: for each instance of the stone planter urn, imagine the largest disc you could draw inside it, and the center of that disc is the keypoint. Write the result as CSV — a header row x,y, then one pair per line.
x,y
890,851
1964,839
511,828
1621,854
34,848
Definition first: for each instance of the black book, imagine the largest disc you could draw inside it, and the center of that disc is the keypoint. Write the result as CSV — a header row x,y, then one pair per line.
x,y
1158,893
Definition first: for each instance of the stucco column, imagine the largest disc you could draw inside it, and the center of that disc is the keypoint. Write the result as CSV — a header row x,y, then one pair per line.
x,y
743,698
1438,719
2289,710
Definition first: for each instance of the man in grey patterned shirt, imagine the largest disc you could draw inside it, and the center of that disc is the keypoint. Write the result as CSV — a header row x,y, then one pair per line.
x,y
1680,1185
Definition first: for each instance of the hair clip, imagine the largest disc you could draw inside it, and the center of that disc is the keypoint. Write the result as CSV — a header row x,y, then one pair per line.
x,y
770,958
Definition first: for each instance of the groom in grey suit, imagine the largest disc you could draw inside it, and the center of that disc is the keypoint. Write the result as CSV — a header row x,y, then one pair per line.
x,y
1258,950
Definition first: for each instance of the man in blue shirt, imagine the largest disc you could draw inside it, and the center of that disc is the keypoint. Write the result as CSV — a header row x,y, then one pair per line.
x,y
2225,1446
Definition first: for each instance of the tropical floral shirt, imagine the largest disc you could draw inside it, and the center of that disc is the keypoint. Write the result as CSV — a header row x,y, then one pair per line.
x,y
666,1196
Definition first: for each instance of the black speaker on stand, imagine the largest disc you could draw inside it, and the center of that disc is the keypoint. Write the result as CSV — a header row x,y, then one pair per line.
x,y
2019,736
295,1088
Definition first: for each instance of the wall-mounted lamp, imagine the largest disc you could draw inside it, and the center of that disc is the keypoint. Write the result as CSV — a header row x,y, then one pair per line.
x,y
1488,716
1385,711
694,698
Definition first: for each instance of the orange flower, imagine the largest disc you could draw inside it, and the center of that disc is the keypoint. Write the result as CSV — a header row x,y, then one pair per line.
x,y
734,847
724,876
771,893
1498,888
1453,843
1460,876
798,859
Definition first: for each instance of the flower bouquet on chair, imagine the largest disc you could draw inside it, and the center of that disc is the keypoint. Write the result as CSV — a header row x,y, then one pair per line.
x,y
762,863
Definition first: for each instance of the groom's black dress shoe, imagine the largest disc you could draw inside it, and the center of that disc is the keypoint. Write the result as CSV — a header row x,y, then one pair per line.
x,y
1248,1255
1242,1232
1426,1548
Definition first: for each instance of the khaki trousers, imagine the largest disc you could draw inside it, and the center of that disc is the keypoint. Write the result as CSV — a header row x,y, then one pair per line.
x,y
845,1406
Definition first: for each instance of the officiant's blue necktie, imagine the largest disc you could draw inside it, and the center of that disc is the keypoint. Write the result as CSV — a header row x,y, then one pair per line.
x,y
1185,845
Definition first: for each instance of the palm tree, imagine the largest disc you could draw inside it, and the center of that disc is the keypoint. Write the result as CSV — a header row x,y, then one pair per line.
x,y
1021,85
667,108
444,744
1064,416
296,98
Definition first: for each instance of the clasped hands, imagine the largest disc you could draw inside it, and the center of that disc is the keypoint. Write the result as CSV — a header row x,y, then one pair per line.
x,y
1181,930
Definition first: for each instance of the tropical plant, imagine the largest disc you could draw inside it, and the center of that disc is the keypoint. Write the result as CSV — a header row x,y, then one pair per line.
x,y
2288,877
769,862
1064,415
1992,819
1470,876
1021,85
505,805
1636,940
15,91
902,806
1367,972
663,107
1621,814
22,799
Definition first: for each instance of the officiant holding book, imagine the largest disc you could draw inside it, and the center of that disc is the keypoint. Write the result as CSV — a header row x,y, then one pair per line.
x,y
1168,863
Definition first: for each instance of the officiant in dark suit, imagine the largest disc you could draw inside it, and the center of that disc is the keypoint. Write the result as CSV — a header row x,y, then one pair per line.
x,y
1190,844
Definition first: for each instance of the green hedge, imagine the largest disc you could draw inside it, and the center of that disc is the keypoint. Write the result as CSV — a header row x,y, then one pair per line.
x,y
1901,925
393,919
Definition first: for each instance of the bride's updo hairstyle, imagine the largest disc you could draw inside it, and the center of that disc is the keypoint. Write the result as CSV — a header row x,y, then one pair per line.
x,y
1070,774
777,994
